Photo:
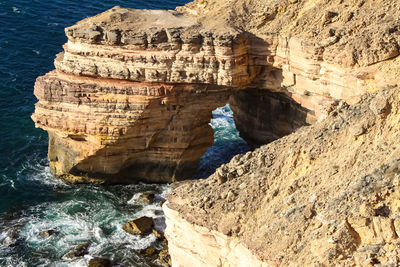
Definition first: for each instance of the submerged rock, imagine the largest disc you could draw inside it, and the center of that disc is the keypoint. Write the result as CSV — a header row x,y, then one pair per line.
x,y
79,251
100,262
140,226
158,234
47,233
164,259
146,198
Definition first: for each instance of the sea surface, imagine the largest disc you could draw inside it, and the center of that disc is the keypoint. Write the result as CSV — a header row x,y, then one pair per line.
x,y
31,200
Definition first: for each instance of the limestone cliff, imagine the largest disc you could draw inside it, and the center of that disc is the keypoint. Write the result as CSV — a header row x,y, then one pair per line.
x,y
133,91
327,194
132,95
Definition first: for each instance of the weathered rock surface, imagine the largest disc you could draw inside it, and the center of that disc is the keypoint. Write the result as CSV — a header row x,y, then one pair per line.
x,y
99,262
120,131
78,252
315,51
133,91
132,95
140,226
327,194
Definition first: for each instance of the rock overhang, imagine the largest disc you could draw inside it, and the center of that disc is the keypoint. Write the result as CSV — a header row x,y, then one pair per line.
x,y
196,60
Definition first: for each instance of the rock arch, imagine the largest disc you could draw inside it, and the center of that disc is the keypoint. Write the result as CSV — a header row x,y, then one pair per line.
x,y
133,91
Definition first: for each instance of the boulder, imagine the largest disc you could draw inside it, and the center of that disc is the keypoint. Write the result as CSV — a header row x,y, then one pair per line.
x,y
78,252
46,233
146,198
139,226
99,262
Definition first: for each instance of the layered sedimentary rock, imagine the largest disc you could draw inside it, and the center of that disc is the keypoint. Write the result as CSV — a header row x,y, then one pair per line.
x,y
262,116
325,195
314,51
132,94
121,131
203,47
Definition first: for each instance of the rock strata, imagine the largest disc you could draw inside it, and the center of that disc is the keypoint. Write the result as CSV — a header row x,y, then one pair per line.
x,y
131,98
327,194
133,90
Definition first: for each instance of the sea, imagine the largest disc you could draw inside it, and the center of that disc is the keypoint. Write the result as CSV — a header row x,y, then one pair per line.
x,y
31,199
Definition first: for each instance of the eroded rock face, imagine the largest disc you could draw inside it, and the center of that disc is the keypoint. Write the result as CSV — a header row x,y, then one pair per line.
x,y
263,116
155,46
133,91
326,194
131,97
122,131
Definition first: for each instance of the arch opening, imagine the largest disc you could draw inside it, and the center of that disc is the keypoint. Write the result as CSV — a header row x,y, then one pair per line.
x,y
227,142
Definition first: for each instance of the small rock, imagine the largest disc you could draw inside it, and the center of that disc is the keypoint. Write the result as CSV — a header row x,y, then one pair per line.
x,y
357,130
312,198
140,226
150,251
230,176
112,37
329,41
290,212
79,251
378,105
146,198
236,229
158,234
240,171
328,17
221,179
231,196
164,258
308,212
99,262
46,233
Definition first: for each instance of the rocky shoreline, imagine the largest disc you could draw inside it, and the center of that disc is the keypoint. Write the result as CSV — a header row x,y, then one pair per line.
x,y
313,86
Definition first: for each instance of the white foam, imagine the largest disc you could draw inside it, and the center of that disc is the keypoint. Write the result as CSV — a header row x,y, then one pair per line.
x,y
16,10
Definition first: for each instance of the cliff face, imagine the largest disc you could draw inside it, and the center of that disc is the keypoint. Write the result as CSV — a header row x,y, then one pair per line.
x,y
133,91
132,95
108,130
326,194
315,51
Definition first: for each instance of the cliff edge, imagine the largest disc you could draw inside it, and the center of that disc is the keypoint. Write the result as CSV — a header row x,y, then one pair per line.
x,y
327,194
131,97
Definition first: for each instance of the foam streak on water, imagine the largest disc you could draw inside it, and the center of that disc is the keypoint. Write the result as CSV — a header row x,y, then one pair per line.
x,y
31,200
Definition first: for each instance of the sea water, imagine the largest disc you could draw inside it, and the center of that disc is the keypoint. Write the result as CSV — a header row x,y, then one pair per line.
x,y
31,200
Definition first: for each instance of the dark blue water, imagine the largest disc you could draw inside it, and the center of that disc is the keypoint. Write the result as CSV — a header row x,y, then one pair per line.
x,y
31,200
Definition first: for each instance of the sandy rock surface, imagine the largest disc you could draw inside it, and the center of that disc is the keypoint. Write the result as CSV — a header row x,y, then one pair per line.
x,y
328,193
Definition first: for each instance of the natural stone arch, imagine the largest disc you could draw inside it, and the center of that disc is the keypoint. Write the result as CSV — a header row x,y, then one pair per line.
x,y
127,76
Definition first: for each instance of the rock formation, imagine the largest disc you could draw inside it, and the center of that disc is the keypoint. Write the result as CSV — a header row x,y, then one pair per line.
x,y
132,95
131,98
133,91
327,194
